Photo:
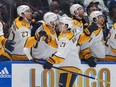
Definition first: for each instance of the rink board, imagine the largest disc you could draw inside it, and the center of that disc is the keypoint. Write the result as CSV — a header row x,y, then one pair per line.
x,y
29,74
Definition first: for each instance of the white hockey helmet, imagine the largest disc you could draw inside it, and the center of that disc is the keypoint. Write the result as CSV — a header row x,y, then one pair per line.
x,y
74,7
66,21
21,9
50,17
95,14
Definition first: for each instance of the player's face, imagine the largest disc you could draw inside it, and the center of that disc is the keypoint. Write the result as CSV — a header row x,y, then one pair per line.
x,y
101,20
28,14
61,27
81,12
54,23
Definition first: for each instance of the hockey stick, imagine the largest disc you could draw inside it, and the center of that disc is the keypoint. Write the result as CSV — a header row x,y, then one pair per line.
x,y
42,63
100,80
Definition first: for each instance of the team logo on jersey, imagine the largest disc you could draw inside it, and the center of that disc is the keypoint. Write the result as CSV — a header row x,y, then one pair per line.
x,y
23,24
4,73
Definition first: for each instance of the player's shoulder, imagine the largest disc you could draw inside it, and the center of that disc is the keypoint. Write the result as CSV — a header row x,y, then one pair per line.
x,y
77,23
20,23
67,36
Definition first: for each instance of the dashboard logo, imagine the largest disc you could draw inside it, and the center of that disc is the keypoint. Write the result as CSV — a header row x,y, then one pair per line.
x,y
4,73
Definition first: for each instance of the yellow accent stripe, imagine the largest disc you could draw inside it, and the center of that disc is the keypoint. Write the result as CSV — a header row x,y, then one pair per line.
x,y
57,59
86,53
50,60
96,32
110,58
1,51
7,55
113,50
19,57
68,79
83,38
52,42
70,68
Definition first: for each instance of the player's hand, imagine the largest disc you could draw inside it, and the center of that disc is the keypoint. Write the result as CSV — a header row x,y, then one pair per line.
x,y
39,34
9,45
47,65
91,61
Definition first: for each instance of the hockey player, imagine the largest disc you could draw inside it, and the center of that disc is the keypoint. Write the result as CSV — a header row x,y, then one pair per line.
x,y
111,43
78,14
47,45
20,32
80,24
5,45
66,55
93,36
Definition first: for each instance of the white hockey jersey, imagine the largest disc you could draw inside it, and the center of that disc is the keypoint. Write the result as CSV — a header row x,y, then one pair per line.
x,y
67,53
43,50
111,49
19,33
96,44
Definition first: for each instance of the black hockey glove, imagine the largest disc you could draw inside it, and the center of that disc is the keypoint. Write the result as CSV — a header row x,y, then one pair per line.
x,y
91,61
9,45
47,65
88,31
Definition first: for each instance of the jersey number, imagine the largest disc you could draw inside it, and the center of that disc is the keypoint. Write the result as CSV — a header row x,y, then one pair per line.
x,y
63,44
24,34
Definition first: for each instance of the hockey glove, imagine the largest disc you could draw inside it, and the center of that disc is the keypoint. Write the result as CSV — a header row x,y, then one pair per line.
x,y
91,61
47,65
88,31
9,45
39,35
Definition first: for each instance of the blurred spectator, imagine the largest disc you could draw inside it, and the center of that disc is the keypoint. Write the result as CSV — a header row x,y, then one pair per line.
x,y
37,20
55,7
112,8
64,6
42,5
5,16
